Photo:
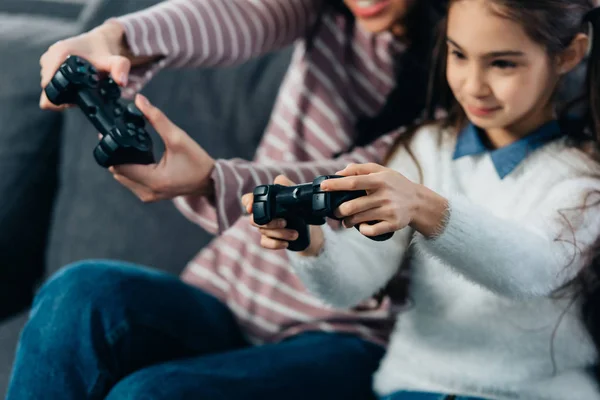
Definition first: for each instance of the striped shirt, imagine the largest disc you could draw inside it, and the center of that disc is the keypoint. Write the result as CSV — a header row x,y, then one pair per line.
x,y
321,97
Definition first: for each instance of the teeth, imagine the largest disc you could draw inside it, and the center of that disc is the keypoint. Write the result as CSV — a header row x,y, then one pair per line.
x,y
366,3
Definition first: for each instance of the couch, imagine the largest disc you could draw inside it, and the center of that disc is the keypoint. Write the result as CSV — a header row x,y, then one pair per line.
x,y
57,206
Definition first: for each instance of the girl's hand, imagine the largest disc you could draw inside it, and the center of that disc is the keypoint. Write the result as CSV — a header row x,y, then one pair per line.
x,y
275,236
392,200
184,169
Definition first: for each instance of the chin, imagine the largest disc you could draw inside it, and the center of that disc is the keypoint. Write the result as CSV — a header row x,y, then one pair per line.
x,y
488,122
374,26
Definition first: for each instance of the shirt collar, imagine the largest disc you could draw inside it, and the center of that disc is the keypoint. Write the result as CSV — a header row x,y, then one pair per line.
x,y
505,159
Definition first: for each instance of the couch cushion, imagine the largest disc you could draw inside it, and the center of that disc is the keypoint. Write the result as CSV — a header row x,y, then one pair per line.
x,y
28,154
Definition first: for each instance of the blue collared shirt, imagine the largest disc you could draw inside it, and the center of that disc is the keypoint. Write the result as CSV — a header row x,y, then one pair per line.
x,y
470,141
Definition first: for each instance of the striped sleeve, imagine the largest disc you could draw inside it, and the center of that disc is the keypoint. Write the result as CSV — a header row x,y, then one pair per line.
x,y
236,177
188,33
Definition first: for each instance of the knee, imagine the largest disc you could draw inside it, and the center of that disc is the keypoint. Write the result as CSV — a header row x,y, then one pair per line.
x,y
159,383
76,290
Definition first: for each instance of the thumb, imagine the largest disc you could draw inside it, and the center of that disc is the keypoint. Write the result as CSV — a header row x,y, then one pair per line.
x,y
283,181
140,174
247,200
119,68
168,131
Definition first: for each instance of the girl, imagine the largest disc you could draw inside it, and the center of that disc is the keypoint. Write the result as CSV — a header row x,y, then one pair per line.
x,y
103,328
500,204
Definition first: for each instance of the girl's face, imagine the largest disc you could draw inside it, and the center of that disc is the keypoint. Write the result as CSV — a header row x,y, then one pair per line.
x,y
501,78
379,15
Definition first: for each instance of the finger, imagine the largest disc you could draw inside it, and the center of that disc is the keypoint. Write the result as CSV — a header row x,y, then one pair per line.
x,y
247,200
377,229
275,224
99,136
357,206
51,60
144,175
281,234
168,131
283,180
143,193
119,68
360,169
362,182
273,244
46,104
373,214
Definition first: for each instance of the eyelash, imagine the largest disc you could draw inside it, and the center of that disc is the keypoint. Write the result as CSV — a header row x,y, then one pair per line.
x,y
501,64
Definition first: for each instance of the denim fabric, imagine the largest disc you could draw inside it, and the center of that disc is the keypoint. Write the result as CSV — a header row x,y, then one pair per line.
x,y
103,329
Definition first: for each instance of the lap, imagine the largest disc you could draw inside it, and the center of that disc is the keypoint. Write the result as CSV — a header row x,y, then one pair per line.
x,y
311,366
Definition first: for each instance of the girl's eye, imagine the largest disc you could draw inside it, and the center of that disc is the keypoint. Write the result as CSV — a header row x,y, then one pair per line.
x,y
503,64
457,54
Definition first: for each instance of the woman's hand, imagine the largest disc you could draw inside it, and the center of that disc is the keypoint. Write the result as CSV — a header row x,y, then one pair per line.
x,y
102,46
392,200
275,236
184,169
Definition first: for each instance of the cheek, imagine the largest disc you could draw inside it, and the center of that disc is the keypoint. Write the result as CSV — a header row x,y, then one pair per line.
x,y
454,77
522,89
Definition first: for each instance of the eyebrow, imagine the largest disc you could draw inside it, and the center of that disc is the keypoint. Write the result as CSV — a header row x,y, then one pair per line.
x,y
503,53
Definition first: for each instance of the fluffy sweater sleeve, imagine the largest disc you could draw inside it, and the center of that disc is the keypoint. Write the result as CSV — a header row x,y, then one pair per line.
x,y
525,258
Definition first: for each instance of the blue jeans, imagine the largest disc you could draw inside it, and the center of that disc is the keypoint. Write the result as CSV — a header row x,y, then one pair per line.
x,y
101,329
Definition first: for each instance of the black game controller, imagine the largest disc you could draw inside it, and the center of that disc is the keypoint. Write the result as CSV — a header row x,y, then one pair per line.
x,y
302,205
122,126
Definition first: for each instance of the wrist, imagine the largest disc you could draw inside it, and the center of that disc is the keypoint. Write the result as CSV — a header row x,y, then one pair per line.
x,y
116,37
114,33
429,213
207,186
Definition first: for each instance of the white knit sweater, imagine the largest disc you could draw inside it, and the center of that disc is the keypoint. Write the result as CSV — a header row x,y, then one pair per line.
x,y
482,322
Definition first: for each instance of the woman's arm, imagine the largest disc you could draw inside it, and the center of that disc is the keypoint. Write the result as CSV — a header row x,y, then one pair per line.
x,y
186,33
233,178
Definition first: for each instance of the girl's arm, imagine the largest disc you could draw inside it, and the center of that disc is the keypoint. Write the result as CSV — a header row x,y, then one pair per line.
x,y
530,257
350,267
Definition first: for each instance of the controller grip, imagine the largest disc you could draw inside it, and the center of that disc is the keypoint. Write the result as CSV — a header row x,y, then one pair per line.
x,y
298,225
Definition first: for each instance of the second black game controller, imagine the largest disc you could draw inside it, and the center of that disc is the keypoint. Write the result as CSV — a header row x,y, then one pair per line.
x,y
302,205
122,125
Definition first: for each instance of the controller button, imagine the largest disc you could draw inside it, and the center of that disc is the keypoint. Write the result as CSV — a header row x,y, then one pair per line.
x,y
133,110
118,111
131,125
141,138
130,132
79,61
94,79
260,191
